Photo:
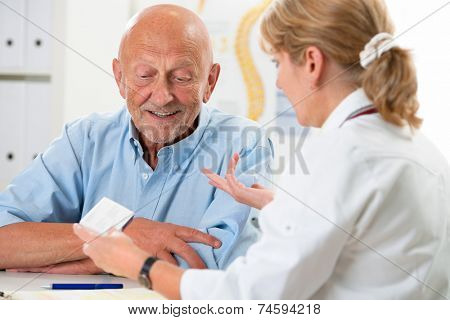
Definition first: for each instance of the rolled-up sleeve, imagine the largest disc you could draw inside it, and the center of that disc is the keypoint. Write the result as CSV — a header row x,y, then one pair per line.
x,y
50,189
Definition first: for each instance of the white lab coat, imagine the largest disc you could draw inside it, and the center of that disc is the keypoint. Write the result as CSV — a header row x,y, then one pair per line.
x,y
370,221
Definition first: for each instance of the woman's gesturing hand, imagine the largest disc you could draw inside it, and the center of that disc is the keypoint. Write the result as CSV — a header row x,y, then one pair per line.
x,y
255,196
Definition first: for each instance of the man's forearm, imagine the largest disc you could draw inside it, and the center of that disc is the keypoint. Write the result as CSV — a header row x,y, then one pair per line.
x,y
33,244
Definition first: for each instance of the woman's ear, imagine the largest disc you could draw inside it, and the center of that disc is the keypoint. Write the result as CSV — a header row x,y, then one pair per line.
x,y
118,75
315,65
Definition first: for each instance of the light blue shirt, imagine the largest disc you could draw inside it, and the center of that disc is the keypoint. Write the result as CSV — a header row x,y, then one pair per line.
x,y
100,156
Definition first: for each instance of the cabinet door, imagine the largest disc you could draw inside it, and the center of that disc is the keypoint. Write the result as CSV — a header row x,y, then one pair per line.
x,y
12,34
38,41
38,118
12,123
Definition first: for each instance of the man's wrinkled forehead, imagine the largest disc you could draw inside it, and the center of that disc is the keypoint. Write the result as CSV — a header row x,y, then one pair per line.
x,y
162,43
166,34
171,54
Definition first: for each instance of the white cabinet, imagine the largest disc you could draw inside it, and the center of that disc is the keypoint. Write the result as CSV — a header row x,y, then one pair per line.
x,y
25,110
26,83
37,134
38,42
12,107
12,34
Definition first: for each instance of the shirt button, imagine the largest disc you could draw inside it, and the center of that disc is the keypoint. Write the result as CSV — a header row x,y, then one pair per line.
x,y
145,176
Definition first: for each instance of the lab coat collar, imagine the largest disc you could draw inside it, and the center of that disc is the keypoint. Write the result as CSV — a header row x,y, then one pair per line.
x,y
350,105
355,102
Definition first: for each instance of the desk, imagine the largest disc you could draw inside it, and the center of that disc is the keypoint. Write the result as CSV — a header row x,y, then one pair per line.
x,y
31,289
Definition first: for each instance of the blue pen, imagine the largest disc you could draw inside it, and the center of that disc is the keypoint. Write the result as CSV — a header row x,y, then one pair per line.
x,y
83,286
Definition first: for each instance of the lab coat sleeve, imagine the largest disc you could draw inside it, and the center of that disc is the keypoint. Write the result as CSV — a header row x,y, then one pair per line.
x,y
227,219
50,189
303,233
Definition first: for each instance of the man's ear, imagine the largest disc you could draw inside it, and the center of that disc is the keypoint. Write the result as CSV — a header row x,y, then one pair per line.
x,y
119,77
212,81
315,65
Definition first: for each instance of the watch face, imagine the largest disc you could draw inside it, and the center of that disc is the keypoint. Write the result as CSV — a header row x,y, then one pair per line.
x,y
143,280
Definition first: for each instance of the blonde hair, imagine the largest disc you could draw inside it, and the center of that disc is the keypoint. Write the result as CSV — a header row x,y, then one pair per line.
x,y
341,29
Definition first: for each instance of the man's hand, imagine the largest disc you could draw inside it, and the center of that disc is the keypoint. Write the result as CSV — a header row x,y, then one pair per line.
x,y
85,266
161,239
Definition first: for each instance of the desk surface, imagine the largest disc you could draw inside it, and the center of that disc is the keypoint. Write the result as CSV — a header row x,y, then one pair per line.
x,y
28,286
12,281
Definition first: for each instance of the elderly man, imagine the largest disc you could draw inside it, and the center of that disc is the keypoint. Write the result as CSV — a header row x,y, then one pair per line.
x,y
147,157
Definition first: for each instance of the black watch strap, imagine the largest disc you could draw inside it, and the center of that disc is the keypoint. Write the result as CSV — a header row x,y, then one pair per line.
x,y
144,274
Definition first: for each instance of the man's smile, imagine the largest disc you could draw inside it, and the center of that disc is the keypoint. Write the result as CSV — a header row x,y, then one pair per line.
x,y
162,115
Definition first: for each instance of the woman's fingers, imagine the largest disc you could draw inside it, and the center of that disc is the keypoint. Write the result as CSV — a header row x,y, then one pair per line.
x,y
230,165
215,185
232,174
230,184
221,186
232,180
235,159
216,180
238,189
99,245
214,177
233,163
207,172
249,196
211,175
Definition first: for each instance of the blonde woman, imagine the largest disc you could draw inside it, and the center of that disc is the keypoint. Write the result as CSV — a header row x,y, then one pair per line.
x,y
371,218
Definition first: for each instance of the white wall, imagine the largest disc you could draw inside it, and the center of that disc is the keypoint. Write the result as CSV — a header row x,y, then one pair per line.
x,y
430,45
93,29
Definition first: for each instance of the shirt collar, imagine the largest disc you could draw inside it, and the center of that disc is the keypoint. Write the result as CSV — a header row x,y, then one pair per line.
x,y
181,150
350,105
133,133
133,137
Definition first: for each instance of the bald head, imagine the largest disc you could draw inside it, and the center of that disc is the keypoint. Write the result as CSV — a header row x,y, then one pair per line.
x,y
164,26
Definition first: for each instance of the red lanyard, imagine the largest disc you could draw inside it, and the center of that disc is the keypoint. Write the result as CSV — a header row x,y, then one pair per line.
x,y
362,112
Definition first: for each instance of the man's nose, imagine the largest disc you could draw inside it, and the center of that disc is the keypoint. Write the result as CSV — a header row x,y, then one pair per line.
x,y
161,94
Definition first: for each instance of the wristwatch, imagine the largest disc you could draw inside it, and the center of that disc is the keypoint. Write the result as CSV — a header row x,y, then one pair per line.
x,y
144,274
